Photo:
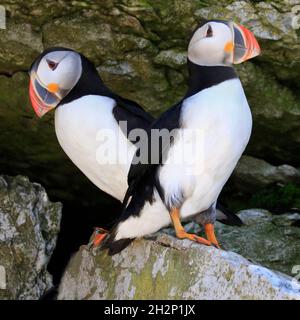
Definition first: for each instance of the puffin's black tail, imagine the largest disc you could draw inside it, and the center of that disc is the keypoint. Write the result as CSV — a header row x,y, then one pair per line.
x,y
137,194
226,217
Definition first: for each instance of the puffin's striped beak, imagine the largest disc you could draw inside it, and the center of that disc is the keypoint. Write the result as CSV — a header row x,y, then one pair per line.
x,y
43,98
245,44
39,106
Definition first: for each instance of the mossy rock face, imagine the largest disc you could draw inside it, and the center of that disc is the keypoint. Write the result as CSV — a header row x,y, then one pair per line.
x,y
270,240
29,225
167,268
139,48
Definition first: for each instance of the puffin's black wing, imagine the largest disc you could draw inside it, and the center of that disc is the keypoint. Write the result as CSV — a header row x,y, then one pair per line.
x,y
134,108
143,175
132,113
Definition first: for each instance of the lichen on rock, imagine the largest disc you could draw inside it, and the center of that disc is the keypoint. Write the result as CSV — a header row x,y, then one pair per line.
x,y
29,225
162,267
266,239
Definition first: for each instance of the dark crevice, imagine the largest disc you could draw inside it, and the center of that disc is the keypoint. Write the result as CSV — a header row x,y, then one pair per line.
x,y
267,69
167,245
296,224
77,226
9,74
6,74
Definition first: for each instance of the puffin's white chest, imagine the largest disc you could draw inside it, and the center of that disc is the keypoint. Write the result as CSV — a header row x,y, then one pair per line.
x,y
92,139
215,129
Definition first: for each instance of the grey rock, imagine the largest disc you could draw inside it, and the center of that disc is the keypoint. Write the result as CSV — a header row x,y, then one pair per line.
x,y
266,239
163,267
252,174
171,58
29,224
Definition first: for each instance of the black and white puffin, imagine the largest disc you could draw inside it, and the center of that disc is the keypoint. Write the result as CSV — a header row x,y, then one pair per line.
x,y
87,113
212,127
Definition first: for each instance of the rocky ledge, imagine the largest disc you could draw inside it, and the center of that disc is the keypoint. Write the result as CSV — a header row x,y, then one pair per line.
x,y
163,267
157,267
29,224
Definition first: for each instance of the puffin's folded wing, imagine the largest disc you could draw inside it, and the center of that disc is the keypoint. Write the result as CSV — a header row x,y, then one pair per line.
x,y
130,110
142,175
131,116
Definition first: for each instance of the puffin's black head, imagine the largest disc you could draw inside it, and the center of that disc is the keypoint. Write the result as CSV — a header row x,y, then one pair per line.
x,y
219,42
56,74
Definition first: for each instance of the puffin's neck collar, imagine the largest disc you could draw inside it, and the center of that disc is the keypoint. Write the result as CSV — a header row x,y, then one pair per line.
x,y
203,77
89,83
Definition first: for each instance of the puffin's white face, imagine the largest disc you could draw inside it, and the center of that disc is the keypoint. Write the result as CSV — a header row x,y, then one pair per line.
x,y
222,43
52,77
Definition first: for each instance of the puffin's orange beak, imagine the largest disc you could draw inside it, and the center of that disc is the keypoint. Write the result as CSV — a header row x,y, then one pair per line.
x,y
52,87
40,107
245,44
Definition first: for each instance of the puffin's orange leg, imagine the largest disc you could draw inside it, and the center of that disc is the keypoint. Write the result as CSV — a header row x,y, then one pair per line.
x,y
100,235
210,233
181,233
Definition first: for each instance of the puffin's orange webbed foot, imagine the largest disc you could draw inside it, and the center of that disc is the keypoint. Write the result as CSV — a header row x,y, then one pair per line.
x,y
184,235
181,233
210,233
99,235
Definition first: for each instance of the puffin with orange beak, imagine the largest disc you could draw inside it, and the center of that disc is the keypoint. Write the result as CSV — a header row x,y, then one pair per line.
x,y
87,113
210,129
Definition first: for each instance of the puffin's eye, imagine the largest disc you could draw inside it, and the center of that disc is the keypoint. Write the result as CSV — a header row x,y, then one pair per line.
x,y
209,32
52,65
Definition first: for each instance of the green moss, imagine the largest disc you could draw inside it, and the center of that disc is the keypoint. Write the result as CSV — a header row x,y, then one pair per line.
x,y
160,285
229,274
277,199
